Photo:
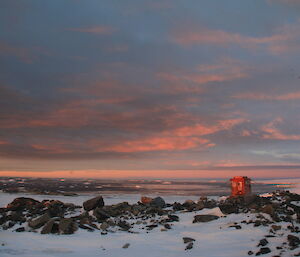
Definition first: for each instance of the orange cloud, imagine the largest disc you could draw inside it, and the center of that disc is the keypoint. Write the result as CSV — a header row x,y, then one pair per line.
x,y
183,138
201,130
159,144
271,132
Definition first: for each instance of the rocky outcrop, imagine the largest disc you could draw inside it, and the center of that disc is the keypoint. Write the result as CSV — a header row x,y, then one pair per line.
x,y
93,203
204,218
158,202
67,226
39,221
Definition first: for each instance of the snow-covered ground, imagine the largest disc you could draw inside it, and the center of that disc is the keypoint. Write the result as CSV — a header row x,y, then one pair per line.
x,y
213,239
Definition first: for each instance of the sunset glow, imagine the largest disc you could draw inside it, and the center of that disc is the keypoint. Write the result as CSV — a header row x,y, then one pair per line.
x,y
142,89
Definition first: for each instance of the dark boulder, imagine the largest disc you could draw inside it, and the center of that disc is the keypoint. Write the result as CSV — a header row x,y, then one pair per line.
x,y
228,208
20,229
88,228
158,202
16,216
263,242
124,225
294,241
172,218
188,240
189,246
49,227
204,218
263,250
93,203
39,221
67,226
22,203
268,209
177,206
101,214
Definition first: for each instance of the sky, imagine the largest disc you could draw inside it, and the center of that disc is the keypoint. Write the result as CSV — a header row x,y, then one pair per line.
x,y
147,88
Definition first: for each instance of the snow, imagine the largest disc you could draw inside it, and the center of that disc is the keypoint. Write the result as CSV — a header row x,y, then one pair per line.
x,y
213,239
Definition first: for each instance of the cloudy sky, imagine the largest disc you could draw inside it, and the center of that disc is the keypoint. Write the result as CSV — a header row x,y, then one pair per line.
x,y
166,88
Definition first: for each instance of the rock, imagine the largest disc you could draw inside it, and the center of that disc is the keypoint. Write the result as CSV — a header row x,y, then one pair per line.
x,y
199,206
294,241
173,218
93,203
167,226
104,226
100,214
189,246
188,203
56,208
250,253
276,227
124,225
204,218
125,246
88,228
158,202
39,221
22,203
177,206
20,229
235,226
67,226
146,200
228,208
268,209
263,242
263,250
210,204
47,229
16,216
152,226
188,240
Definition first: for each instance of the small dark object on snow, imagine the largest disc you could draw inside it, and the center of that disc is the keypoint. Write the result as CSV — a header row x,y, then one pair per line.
x,y
125,246
189,246
204,218
173,218
20,229
236,226
188,240
294,241
263,250
263,242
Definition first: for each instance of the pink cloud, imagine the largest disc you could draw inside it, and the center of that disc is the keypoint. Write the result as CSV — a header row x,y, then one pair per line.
x,y
271,132
102,30
21,53
262,96
187,81
283,40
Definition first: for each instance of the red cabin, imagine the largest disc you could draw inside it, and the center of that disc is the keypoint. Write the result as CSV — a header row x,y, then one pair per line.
x,y
240,186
